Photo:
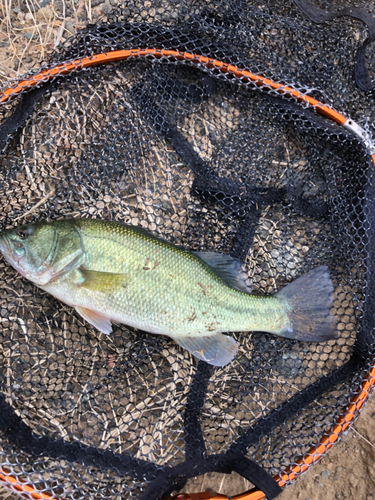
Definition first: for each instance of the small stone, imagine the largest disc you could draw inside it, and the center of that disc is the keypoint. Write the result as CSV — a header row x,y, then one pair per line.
x,y
95,3
324,473
29,36
29,18
28,59
70,28
106,8
44,14
16,10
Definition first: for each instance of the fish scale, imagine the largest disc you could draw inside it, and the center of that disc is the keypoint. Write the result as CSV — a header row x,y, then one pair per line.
x,y
179,295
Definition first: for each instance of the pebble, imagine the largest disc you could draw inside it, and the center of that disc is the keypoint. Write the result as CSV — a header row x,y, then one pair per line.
x,y
16,10
70,28
29,17
44,14
106,8
324,473
29,36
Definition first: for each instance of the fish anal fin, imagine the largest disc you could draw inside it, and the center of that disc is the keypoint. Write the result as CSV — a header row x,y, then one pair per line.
x,y
100,281
216,349
101,322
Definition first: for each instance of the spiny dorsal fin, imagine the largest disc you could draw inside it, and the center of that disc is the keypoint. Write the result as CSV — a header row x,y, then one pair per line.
x,y
226,267
99,281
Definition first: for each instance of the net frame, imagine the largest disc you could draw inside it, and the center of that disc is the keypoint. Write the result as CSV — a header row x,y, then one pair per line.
x,y
46,74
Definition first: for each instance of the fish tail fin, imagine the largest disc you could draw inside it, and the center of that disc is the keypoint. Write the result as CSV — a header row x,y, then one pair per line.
x,y
216,349
310,298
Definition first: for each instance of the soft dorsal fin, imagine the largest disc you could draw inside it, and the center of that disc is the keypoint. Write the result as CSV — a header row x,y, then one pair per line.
x,y
226,267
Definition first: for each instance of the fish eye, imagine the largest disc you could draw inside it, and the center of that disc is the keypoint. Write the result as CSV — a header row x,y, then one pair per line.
x,y
19,249
23,233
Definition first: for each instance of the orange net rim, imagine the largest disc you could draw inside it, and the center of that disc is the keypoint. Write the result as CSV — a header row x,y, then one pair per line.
x,y
244,75
316,452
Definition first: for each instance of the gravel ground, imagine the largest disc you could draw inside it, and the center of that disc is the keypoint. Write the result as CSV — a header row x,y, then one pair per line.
x,y
28,32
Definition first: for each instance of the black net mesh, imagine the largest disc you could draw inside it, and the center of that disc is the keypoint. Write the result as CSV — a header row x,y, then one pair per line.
x,y
212,163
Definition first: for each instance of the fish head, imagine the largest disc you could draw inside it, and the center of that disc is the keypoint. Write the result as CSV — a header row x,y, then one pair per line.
x,y
41,252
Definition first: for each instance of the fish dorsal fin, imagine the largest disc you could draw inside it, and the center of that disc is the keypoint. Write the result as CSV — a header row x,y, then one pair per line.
x,y
216,349
226,267
101,322
100,281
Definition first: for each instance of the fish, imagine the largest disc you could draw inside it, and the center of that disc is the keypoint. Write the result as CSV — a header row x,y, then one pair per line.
x,y
112,272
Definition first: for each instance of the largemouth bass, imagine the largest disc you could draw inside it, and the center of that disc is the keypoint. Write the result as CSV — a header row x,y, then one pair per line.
x,y
114,272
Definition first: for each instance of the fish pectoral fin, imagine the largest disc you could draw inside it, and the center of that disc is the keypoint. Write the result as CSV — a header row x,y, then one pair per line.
x,y
101,322
102,281
216,349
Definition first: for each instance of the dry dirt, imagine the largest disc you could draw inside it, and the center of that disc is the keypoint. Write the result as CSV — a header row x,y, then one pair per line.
x,y
28,32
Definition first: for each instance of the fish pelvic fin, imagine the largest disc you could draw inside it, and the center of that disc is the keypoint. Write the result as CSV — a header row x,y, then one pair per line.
x,y
101,322
216,349
99,281
309,299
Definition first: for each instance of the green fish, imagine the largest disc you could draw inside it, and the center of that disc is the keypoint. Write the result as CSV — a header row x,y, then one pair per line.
x,y
114,272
